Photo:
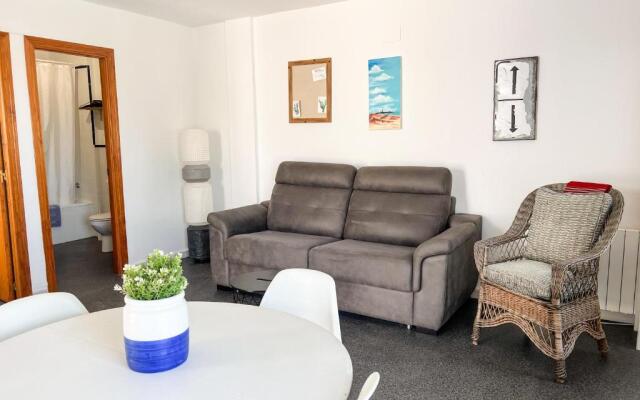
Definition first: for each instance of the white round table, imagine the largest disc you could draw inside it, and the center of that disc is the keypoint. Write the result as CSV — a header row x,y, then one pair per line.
x,y
236,352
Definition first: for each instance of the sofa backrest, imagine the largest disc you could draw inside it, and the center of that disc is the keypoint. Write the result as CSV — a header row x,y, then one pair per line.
x,y
311,198
399,205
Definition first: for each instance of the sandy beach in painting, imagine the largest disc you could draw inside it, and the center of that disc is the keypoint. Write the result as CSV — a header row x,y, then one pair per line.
x,y
384,121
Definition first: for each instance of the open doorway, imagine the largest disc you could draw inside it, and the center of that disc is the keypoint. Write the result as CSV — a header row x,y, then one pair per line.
x,y
77,149
75,158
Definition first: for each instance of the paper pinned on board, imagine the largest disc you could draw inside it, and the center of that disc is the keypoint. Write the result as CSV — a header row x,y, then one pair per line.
x,y
322,104
319,74
296,109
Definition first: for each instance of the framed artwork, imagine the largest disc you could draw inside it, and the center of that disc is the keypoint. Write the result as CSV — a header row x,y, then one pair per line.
x,y
310,91
385,93
515,87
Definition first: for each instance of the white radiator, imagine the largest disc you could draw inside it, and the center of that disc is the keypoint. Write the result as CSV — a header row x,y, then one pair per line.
x,y
619,278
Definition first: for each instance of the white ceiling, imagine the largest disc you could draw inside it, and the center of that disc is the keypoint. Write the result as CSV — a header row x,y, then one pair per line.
x,y
202,12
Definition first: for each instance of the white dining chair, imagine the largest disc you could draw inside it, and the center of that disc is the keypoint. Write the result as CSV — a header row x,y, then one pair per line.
x,y
307,294
27,313
369,387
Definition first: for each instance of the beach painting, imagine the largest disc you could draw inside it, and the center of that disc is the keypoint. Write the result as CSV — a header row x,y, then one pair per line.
x,y
385,93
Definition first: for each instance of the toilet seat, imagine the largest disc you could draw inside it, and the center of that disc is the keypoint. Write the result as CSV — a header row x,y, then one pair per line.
x,y
100,217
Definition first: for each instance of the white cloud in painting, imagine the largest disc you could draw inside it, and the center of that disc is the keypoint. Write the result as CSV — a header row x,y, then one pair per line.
x,y
375,69
382,77
377,90
381,99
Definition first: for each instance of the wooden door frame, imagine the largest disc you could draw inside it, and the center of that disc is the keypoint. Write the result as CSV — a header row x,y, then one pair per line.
x,y
112,137
11,156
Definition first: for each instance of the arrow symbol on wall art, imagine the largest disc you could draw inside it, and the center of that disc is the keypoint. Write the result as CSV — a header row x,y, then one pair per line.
x,y
513,119
514,70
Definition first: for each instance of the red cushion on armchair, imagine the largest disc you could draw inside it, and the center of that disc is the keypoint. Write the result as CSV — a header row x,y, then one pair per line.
x,y
586,187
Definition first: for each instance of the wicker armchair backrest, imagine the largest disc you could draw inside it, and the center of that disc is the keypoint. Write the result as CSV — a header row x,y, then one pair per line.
x,y
521,222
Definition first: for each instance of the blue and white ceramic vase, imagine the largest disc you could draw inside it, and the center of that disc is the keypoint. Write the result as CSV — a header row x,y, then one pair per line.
x,y
156,333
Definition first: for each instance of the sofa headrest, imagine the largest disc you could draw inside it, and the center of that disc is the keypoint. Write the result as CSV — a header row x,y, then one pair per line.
x,y
316,174
422,180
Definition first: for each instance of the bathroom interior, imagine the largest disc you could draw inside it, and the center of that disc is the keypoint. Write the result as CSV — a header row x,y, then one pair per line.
x,y
76,166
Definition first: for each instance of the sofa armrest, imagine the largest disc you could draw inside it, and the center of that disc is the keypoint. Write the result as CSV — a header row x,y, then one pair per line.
x,y
459,219
447,242
240,220
444,274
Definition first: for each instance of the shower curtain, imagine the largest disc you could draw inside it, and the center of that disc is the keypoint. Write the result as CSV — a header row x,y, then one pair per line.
x,y
57,93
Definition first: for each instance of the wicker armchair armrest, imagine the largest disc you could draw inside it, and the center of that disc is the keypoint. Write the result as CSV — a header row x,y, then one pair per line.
x,y
578,277
498,249
509,246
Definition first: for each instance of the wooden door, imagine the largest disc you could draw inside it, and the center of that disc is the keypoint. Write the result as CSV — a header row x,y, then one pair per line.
x,y
15,279
7,287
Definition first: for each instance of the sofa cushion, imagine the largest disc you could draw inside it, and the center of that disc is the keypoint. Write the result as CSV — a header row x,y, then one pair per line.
x,y
311,198
399,205
421,180
316,174
565,225
529,277
274,250
372,264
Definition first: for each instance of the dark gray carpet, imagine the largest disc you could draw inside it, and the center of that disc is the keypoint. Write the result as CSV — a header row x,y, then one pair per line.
x,y
413,365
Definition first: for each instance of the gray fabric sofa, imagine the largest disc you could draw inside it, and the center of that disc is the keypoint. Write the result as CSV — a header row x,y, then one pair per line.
x,y
389,236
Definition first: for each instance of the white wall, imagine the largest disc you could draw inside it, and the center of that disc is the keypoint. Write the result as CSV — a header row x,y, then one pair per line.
x,y
225,98
588,120
155,84
231,79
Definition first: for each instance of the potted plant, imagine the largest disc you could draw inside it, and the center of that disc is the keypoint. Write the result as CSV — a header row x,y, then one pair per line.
x,y
155,318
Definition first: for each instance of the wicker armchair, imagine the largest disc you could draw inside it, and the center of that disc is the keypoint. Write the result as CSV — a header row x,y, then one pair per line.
x,y
553,325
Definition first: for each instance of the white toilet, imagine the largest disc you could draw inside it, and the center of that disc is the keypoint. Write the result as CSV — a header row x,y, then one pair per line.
x,y
102,224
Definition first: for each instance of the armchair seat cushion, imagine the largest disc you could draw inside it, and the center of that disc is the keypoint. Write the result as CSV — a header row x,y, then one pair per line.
x,y
373,264
273,249
528,277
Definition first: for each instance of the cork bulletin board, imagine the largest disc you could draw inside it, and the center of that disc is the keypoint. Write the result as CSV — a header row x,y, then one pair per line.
x,y
310,91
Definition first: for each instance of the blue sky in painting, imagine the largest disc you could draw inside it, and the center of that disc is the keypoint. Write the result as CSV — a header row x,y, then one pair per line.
x,y
385,85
